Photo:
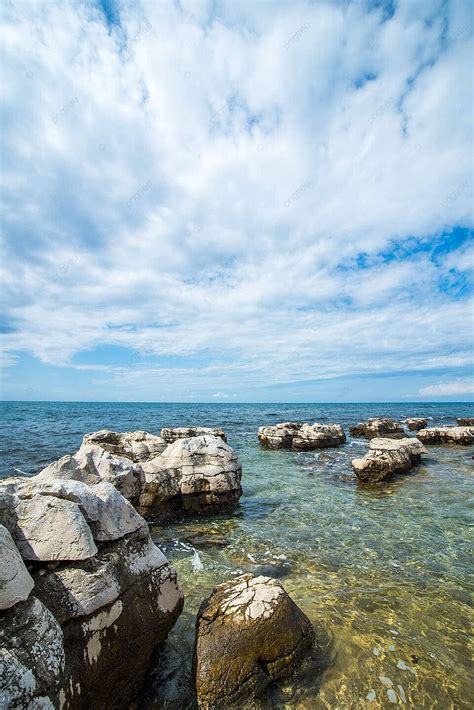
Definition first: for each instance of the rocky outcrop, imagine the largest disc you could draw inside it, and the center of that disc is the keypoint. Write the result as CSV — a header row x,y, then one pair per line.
x,y
301,437
465,421
460,435
373,428
201,473
137,446
248,634
93,464
416,423
170,435
104,596
387,457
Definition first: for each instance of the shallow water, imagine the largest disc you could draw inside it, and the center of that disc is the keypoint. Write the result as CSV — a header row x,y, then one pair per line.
x,y
382,573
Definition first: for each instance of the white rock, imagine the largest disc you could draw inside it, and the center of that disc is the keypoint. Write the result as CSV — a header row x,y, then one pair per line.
x,y
16,582
135,445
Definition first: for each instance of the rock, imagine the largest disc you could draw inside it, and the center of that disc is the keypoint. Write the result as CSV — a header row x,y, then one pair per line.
x,y
15,580
93,464
134,445
378,428
301,437
31,657
249,633
415,423
386,457
170,435
462,435
465,421
195,474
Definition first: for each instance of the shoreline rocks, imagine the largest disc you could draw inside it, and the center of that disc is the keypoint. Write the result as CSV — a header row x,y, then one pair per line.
x,y
80,626
378,427
387,457
249,633
170,435
134,445
301,437
451,435
416,423
465,421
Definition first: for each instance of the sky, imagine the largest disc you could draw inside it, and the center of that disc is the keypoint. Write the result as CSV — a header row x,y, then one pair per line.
x,y
235,200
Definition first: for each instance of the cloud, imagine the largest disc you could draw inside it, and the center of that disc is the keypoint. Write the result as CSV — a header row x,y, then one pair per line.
x,y
446,389
277,201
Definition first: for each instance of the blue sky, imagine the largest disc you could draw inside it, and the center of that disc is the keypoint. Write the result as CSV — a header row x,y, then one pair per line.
x,y
237,201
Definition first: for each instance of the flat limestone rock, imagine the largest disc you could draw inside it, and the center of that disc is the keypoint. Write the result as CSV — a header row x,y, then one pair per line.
x,y
301,437
387,457
457,435
201,472
137,446
249,633
172,434
378,427
416,423
16,582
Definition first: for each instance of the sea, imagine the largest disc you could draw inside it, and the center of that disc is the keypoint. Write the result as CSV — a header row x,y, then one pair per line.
x,y
384,573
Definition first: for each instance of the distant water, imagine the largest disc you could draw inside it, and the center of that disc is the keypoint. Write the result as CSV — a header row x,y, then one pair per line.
x,y
384,572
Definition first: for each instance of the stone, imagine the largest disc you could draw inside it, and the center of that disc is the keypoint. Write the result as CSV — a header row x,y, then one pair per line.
x,y
16,582
195,474
172,434
301,437
457,435
378,427
387,457
416,423
249,633
31,656
92,464
465,421
134,445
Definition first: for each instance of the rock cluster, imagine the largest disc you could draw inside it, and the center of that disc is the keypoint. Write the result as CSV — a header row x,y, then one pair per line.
x,y
416,423
465,421
248,634
463,435
81,624
170,435
301,437
373,428
387,457
200,472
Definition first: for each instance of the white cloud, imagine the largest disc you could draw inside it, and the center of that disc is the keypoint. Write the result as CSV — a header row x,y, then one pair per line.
x,y
445,389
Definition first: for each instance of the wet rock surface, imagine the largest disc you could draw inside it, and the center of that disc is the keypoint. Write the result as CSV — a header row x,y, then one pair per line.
x,y
416,423
456,435
170,434
301,437
465,421
378,427
248,634
387,457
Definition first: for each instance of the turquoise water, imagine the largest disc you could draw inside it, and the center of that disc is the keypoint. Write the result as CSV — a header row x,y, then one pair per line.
x,y
382,573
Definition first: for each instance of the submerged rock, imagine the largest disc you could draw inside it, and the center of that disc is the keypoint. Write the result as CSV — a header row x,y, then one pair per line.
x,y
248,633
134,445
416,423
173,434
301,437
378,428
196,474
386,457
462,435
104,596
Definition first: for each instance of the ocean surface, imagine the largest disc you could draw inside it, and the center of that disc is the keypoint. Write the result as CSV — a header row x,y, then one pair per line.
x,y
383,573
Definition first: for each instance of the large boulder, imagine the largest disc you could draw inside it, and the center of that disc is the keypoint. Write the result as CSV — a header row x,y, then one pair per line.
x,y
201,473
462,435
94,464
416,423
378,427
134,445
248,634
173,434
15,580
465,421
301,437
387,457
102,603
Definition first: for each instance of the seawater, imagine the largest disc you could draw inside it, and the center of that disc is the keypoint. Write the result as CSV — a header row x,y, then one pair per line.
x,y
383,573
